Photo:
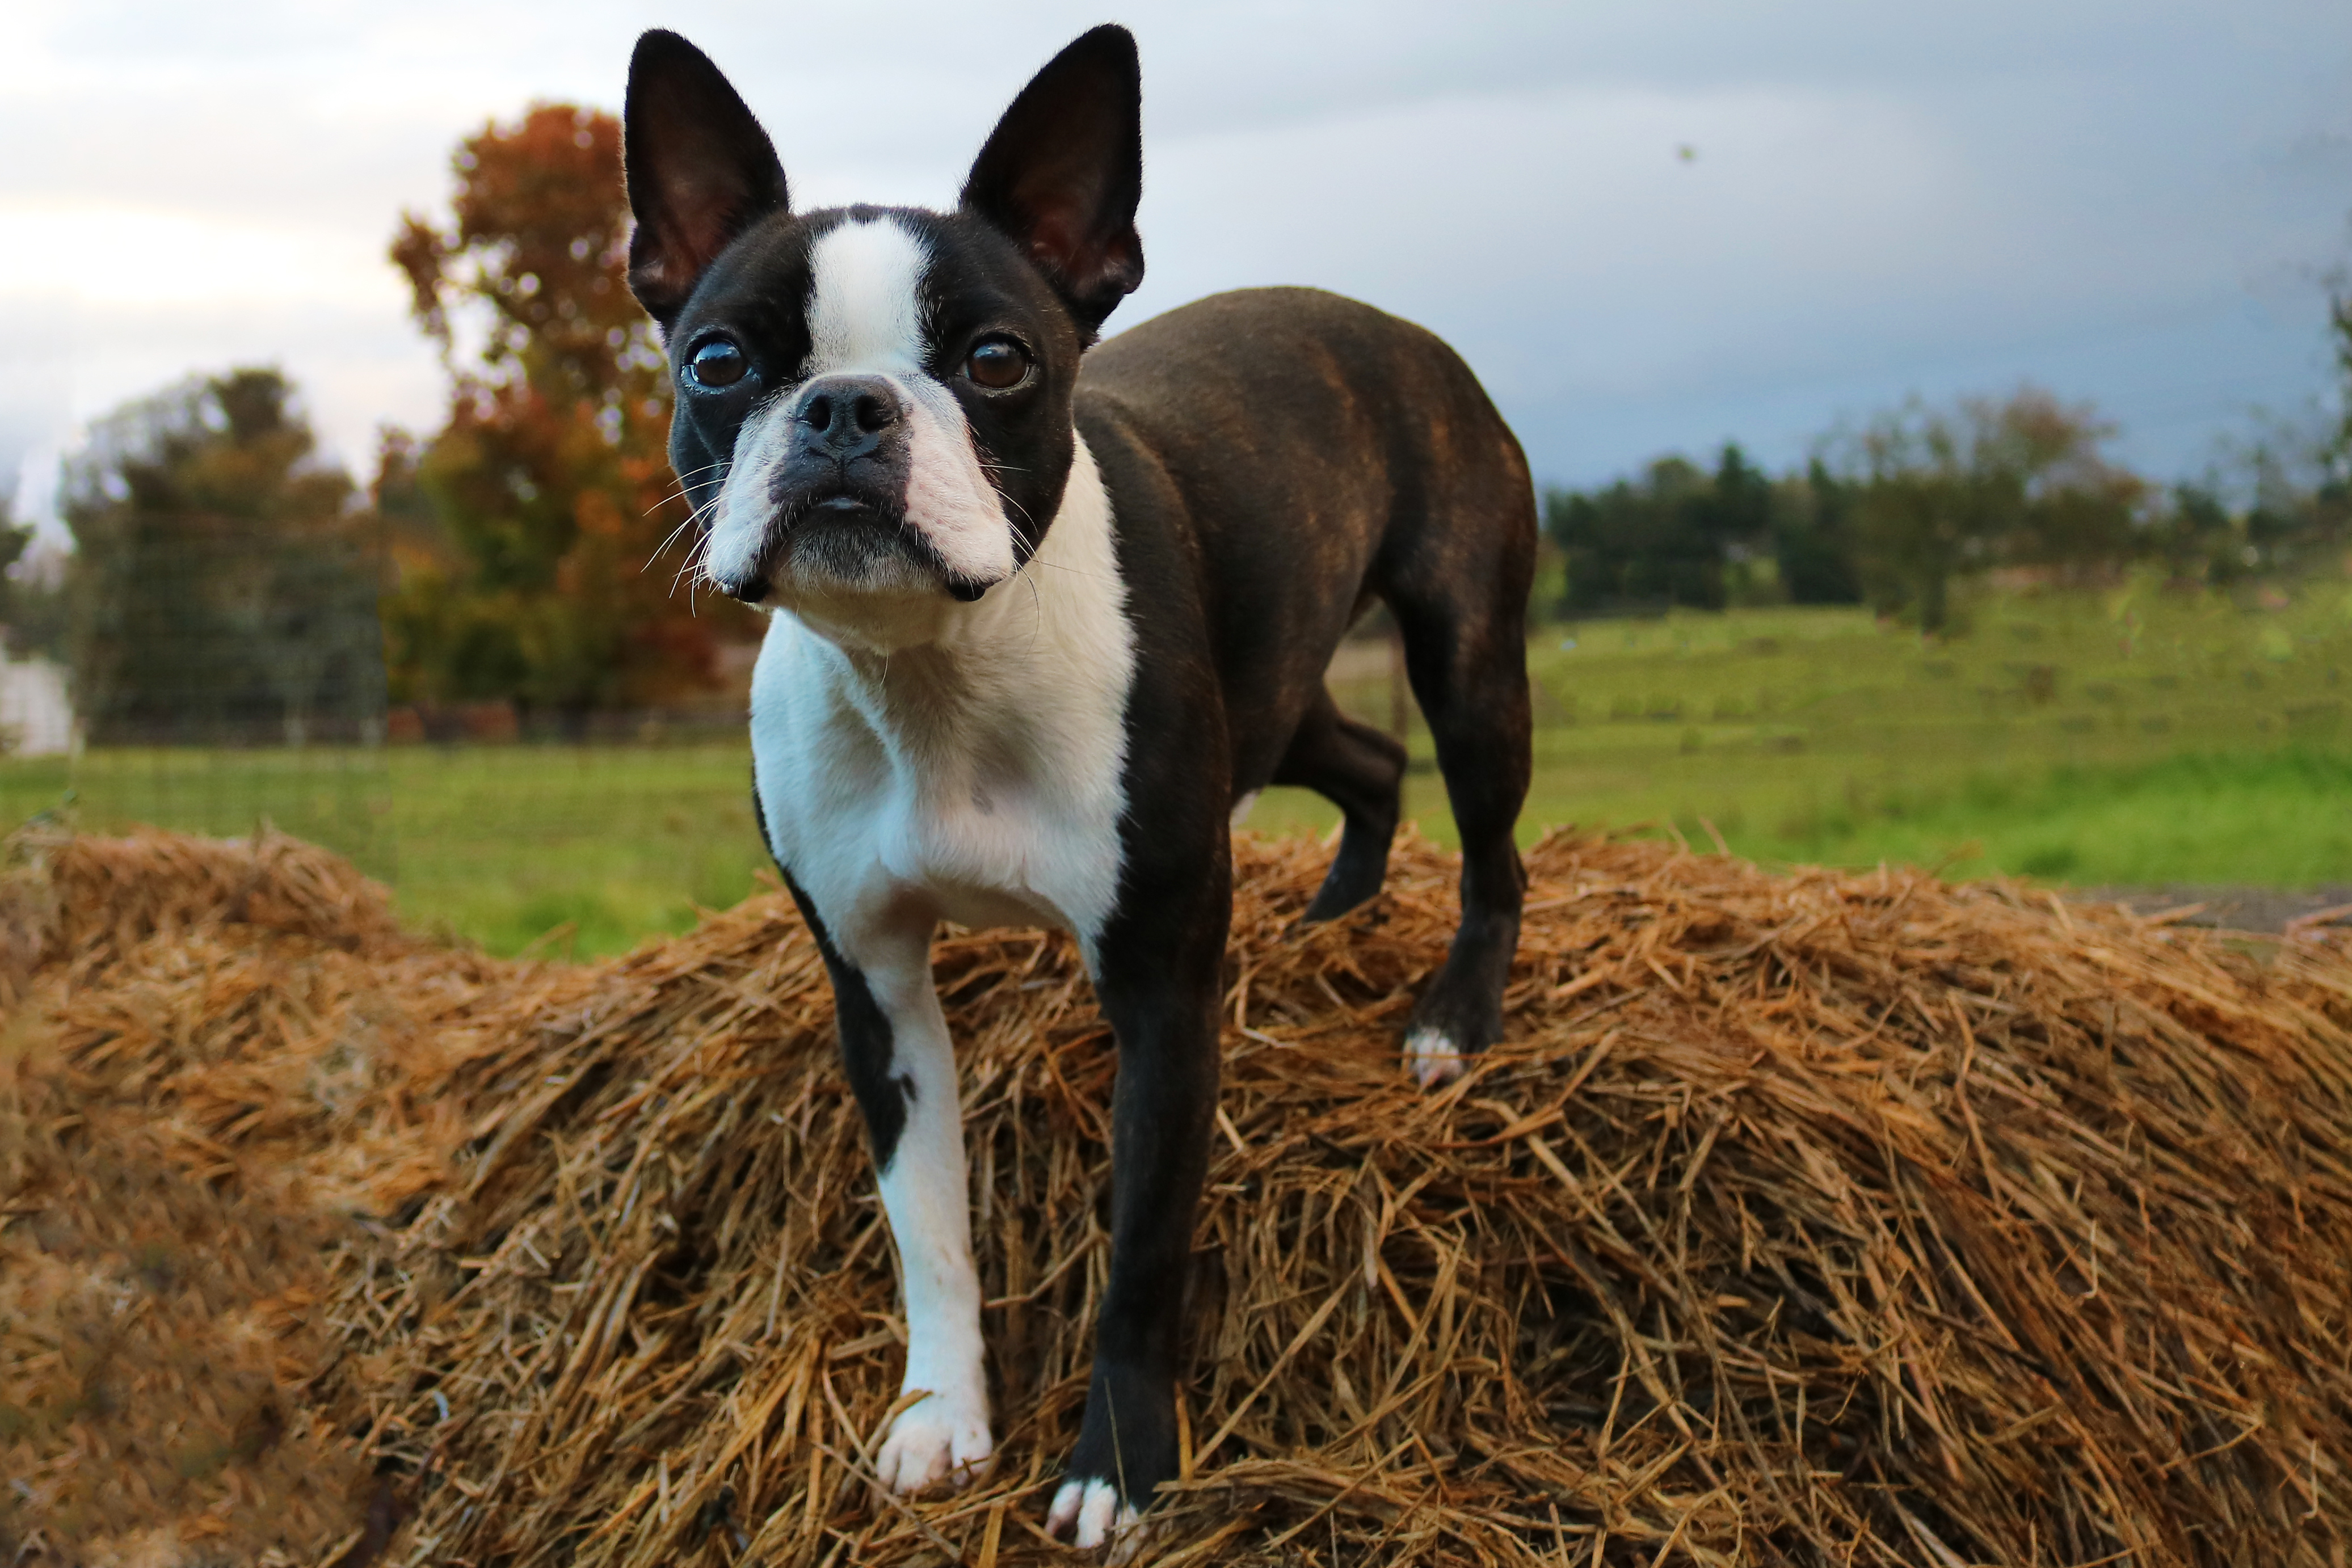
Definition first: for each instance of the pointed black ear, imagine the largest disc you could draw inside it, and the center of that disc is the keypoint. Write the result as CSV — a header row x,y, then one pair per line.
x,y
1063,172
700,170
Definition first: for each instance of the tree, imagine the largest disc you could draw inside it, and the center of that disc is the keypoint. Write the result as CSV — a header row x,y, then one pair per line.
x,y
1677,535
222,586
524,528
32,597
1942,493
2197,538
15,538
2333,502
1812,537
2339,321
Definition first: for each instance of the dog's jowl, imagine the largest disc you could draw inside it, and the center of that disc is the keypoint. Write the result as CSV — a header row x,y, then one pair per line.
x,y
1045,609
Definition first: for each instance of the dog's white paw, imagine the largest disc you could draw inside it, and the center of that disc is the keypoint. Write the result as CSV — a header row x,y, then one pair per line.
x,y
1100,1517
1432,1057
939,1439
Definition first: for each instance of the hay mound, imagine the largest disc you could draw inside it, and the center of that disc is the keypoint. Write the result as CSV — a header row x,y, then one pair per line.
x,y
1818,1219
201,1077
90,900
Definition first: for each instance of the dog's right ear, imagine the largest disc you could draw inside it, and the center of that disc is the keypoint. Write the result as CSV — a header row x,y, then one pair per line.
x,y
700,170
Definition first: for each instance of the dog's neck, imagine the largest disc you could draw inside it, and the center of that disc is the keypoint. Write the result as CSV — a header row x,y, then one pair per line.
x,y
929,674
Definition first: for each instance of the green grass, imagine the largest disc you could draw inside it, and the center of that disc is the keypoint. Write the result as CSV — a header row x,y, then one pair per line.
x,y
2134,736
584,850
2126,737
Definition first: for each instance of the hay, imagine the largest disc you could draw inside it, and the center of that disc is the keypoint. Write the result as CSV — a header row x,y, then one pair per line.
x,y
202,1079
1818,1219
105,896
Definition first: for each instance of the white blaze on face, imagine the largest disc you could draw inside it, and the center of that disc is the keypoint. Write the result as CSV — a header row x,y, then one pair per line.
x,y
866,311
866,317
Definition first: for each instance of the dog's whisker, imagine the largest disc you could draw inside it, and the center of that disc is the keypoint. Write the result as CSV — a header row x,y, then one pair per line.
x,y
685,483
671,537
1037,608
669,540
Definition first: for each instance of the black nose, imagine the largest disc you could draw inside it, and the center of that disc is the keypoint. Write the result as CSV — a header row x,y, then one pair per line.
x,y
848,417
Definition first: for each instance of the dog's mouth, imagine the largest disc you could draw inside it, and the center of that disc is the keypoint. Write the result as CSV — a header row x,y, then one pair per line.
x,y
841,538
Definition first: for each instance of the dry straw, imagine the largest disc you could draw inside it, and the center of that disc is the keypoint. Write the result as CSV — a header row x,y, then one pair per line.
x,y
1816,1219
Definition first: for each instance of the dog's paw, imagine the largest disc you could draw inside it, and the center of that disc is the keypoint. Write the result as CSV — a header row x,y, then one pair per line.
x,y
1432,1057
1093,1513
937,1439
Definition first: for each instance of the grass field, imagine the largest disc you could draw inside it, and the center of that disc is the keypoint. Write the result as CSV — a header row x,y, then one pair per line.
x,y
586,850
2130,737
2133,736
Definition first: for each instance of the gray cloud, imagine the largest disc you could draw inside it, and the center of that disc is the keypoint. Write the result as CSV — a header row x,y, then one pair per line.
x,y
2131,203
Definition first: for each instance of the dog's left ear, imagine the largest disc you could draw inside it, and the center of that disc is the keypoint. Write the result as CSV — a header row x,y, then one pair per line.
x,y
1063,172
700,170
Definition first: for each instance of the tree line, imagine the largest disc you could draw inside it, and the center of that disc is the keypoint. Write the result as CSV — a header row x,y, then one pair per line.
x,y
1896,512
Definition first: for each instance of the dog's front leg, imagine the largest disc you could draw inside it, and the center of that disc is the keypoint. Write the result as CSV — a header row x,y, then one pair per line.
x,y
1158,976
901,1066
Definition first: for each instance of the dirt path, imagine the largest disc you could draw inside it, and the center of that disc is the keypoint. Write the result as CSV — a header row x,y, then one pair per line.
x,y
2226,907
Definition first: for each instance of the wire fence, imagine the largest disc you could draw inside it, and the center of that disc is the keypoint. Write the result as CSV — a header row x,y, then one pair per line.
x,y
1788,733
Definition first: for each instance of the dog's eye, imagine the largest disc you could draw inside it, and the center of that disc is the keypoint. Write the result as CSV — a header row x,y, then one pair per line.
x,y
996,363
717,363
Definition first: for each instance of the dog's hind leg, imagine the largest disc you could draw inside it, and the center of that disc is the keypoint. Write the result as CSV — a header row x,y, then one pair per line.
x,y
901,1066
1361,771
1465,651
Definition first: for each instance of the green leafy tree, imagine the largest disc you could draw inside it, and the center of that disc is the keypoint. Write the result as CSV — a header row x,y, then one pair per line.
x,y
2333,503
15,538
222,584
1941,493
1677,535
2197,538
1812,537
2339,321
32,599
523,528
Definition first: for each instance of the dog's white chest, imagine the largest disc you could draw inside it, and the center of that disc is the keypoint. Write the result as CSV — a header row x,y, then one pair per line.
x,y
975,777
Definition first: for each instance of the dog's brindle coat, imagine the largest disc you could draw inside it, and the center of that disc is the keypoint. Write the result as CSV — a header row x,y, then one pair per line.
x,y
1048,613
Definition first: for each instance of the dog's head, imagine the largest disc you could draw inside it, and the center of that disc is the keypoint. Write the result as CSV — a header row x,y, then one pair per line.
x,y
873,404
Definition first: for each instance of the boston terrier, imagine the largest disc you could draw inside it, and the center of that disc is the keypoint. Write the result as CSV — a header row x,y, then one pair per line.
x,y
1046,611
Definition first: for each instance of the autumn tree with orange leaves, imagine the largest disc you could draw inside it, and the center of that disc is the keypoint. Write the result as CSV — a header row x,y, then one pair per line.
x,y
529,533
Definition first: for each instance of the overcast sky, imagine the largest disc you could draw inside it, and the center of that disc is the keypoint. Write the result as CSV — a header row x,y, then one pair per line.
x,y
2131,203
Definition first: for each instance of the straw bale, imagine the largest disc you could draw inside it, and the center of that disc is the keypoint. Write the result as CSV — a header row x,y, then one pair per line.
x,y
1817,1218
203,1077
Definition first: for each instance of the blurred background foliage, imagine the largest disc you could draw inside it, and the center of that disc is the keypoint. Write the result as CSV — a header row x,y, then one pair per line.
x,y
1959,633
527,535
221,583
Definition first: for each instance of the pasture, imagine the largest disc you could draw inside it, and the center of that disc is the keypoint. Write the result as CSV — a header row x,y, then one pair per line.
x,y
2135,736
2129,738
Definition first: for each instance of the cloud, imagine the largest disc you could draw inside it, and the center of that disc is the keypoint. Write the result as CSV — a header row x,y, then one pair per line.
x,y
2130,201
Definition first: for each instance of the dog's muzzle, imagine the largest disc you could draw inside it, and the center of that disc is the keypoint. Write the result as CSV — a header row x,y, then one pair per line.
x,y
838,498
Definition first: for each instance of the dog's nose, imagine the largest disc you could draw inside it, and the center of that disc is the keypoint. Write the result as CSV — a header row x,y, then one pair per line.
x,y
848,417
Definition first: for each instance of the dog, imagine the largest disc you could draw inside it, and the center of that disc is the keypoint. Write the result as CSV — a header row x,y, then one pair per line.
x,y
1046,611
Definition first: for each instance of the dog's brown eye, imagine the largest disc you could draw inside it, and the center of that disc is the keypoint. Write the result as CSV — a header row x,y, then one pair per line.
x,y
997,363
717,363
